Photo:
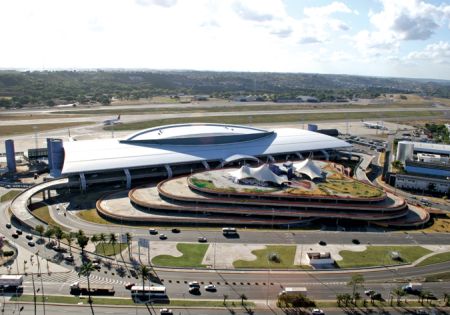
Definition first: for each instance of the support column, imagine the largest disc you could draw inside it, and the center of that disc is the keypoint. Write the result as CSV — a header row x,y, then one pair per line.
x,y
128,175
270,158
83,182
205,165
300,156
169,171
327,156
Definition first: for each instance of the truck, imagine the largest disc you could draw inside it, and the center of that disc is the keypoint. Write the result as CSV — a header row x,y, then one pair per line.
x,y
95,289
412,287
11,282
294,291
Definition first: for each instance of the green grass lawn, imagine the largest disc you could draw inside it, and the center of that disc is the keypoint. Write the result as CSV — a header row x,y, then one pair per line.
x,y
435,259
9,195
107,249
192,256
91,215
19,129
263,119
66,299
286,255
43,214
380,255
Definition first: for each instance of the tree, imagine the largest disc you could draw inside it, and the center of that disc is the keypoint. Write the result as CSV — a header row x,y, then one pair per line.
x,y
225,297
243,298
144,271
40,230
49,232
129,243
69,238
82,240
85,270
95,239
346,299
102,239
59,234
398,293
113,242
339,299
356,281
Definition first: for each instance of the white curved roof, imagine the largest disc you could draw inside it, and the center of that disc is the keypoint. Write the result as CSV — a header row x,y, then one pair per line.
x,y
308,167
113,154
261,173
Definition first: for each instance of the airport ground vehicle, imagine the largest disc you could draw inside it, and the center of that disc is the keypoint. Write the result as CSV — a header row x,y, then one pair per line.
x,y
143,294
11,280
229,231
95,289
294,291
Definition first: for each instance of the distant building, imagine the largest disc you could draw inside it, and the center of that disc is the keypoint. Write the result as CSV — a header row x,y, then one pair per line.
x,y
201,97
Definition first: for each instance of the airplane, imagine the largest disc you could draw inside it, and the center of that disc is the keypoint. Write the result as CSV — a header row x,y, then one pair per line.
x,y
374,125
110,122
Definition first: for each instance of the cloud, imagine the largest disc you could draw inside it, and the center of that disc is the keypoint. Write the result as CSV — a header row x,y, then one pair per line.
x,y
437,53
309,40
251,14
161,3
410,19
327,10
282,32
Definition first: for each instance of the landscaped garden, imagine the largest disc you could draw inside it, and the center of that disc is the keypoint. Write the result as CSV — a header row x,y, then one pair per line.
x,y
271,257
381,256
192,256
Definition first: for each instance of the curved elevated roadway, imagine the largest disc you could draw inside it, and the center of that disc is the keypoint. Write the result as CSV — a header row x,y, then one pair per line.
x,y
19,205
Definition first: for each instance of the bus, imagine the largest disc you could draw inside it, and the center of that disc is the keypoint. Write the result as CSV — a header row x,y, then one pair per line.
x,y
229,231
146,293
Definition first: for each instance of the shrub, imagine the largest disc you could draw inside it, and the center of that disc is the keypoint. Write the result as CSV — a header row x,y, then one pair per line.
x,y
273,257
8,253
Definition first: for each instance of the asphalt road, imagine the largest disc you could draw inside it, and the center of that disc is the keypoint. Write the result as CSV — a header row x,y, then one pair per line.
x,y
28,309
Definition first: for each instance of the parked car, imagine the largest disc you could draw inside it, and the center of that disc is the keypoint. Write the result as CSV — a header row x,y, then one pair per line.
x,y
69,258
8,225
19,232
31,244
29,237
15,235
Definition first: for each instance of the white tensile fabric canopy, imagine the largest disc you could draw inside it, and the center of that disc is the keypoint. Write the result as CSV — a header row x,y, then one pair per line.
x,y
309,168
262,174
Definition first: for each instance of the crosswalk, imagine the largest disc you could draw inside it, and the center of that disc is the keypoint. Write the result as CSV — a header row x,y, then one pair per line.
x,y
72,276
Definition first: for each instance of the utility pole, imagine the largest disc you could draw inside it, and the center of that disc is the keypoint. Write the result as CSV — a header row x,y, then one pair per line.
x,y
42,283
32,280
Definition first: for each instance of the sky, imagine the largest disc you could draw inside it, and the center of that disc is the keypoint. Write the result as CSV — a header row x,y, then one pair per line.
x,y
399,38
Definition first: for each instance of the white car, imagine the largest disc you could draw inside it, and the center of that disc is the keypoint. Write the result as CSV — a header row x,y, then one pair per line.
x,y
317,311
210,287
165,311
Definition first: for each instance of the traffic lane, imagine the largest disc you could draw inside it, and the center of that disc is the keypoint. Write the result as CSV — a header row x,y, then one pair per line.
x,y
28,309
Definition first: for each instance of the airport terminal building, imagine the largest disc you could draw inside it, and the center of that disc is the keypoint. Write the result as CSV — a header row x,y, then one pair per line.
x,y
170,150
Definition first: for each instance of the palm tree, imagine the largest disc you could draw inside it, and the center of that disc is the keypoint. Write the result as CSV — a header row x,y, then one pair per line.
x,y
113,242
40,229
94,239
225,297
82,240
49,232
129,243
355,281
243,298
69,238
398,293
145,273
85,270
59,234
102,239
